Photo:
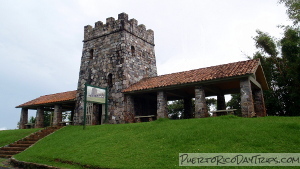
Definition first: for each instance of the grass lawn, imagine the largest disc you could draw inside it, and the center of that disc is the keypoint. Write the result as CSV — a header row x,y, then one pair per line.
x,y
10,136
157,144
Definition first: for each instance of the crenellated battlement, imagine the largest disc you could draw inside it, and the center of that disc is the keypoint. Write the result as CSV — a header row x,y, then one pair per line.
x,y
112,26
116,54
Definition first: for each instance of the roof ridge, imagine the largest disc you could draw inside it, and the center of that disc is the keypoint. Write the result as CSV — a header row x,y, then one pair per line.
x,y
50,98
58,93
196,69
196,75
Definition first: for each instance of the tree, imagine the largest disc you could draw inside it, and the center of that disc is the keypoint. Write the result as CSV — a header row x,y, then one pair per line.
x,y
293,7
290,80
211,102
280,60
31,119
176,108
47,118
235,103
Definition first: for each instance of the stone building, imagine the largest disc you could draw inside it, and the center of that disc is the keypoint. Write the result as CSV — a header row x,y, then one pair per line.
x,y
119,55
115,55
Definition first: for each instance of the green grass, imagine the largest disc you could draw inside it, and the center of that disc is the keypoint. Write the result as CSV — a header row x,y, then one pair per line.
x,y
10,136
157,144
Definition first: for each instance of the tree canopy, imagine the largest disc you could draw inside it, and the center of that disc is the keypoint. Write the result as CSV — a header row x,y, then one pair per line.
x,y
280,60
293,7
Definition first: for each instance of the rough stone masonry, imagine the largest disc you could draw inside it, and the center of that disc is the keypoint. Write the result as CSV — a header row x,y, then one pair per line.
x,y
119,56
115,55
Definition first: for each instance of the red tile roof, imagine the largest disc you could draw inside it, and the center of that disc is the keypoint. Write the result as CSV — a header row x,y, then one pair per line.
x,y
52,98
197,75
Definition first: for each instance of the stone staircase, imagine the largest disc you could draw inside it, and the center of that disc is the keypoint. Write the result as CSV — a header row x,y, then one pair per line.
x,y
19,146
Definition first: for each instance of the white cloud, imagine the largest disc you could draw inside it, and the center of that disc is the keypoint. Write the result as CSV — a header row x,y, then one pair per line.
x,y
3,128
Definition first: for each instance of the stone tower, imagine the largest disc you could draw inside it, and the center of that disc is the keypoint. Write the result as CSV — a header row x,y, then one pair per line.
x,y
115,55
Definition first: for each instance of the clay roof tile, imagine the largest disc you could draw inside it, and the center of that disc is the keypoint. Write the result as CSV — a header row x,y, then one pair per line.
x,y
52,98
196,75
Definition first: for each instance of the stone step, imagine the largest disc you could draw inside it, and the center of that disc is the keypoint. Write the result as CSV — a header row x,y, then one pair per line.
x,y
31,139
13,148
9,152
46,132
20,145
26,142
34,137
40,135
5,156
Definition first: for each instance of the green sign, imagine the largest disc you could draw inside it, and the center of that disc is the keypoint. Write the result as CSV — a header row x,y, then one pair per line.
x,y
95,94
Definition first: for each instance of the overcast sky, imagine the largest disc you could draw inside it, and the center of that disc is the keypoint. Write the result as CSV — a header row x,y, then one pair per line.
x,y
41,40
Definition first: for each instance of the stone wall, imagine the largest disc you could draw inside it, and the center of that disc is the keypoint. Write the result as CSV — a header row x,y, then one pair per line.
x,y
247,106
23,118
115,55
162,106
200,103
112,26
39,121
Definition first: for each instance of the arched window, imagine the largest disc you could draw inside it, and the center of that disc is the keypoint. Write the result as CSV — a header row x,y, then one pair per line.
x,y
91,53
132,50
109,80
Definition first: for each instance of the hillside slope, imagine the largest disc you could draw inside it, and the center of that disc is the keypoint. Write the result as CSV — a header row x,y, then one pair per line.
x,y
157,144
10,136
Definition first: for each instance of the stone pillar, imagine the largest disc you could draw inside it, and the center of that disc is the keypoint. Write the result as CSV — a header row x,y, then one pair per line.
x,y
247,105
259,103
72,116
79,110
129,109
162,107
188,106
39,122
23,118
129,104
200,103
221,105
57,117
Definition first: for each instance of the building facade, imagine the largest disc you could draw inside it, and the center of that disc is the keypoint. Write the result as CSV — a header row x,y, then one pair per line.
x,y
119,56
115,55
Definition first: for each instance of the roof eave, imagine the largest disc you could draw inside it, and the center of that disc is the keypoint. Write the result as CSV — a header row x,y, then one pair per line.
x,y
45,104
189,84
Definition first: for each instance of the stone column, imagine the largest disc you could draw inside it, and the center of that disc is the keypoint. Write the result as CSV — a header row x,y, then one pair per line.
x,y
129,104
259,103
162,107
129,109
188,106
247,105
23,118
57,117
79,110
200,103
39,122
221,105
72,116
